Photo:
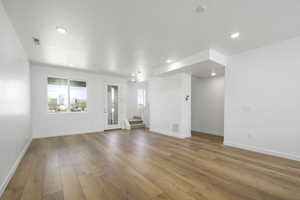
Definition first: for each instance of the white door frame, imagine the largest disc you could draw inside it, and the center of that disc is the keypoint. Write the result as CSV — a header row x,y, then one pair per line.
x,y
106,125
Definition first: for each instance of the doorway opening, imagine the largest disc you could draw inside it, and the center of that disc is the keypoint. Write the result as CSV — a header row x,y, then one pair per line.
x,y
207,104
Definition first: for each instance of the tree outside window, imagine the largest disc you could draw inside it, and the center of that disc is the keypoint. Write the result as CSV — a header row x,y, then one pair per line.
x,y
66,95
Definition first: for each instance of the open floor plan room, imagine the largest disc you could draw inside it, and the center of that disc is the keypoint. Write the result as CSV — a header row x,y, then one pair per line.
x,y
144,165
149,100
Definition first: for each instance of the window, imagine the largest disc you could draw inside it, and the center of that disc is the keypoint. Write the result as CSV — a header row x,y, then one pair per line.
x,y
141,95
77,96
112,104
57,95
66,95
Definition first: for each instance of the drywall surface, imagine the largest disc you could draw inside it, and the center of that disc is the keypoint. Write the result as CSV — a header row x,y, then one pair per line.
x,y
262,100
46,124
14,100
169,111
208,105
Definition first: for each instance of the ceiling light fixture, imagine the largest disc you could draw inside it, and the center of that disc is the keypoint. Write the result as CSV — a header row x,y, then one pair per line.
x,y
169,61
213,74
61,30
235,35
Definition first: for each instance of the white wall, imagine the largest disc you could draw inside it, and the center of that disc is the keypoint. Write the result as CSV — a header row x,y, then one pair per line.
x,y
14,100
168,105
262,100
208,105
55,124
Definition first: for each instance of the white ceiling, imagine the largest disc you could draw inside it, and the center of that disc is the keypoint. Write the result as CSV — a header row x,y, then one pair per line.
x,y
123,37
204,70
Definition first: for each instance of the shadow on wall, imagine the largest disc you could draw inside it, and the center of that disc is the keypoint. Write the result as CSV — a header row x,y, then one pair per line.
x,y
208,105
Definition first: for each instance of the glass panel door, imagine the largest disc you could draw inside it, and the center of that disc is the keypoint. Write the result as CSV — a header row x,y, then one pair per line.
x,y
112,107
112,104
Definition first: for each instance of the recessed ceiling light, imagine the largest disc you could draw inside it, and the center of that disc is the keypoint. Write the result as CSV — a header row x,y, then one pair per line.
x,y
213,74
169,61
235,35
61,30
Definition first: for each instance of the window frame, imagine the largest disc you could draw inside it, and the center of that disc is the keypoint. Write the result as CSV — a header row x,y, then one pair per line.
x,y
120,89
69,99
144,97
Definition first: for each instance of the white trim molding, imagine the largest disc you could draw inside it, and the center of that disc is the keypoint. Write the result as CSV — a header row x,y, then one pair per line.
x,y
14,167
167,134
263,151
70,133
208,133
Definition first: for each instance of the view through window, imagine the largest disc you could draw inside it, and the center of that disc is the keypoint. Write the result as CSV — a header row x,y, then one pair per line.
x,y
66,95
141,95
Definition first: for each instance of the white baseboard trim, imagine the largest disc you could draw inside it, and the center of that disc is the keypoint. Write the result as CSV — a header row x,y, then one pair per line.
x,y
210,133
167,134
65,134
263,151
14,167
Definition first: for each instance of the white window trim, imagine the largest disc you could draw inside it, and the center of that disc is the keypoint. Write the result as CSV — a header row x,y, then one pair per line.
x,y
68,110
144,96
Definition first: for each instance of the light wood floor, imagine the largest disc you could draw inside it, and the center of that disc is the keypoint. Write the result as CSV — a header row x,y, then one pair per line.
x,y
142,165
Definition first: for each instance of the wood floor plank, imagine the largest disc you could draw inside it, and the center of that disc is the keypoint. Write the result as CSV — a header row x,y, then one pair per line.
x,y
140,165
71,186
34,186
54,196
92,188
52,180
